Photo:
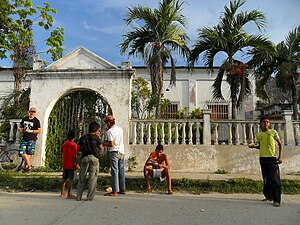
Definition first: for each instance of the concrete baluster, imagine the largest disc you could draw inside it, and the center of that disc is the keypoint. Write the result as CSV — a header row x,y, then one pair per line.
x,y
162,133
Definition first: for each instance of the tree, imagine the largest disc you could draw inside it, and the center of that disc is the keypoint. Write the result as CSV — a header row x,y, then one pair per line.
x,y
16,38
141,99
160,34
283,65
229,37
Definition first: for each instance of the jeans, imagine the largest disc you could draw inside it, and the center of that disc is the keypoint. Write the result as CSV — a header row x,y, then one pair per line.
x,y
89,165
117,171
271,178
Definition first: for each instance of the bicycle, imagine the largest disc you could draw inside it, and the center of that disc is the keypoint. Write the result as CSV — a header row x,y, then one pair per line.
x,y
9,158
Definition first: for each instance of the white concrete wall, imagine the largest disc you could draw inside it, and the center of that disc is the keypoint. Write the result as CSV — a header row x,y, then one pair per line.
x,y
234,159
194,88
48,87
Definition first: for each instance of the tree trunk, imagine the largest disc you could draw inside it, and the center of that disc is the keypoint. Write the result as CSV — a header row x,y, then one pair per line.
x,y
295,101
19,74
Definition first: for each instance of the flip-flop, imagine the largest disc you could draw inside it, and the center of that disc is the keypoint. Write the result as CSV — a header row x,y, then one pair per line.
x,y
114,194
276,204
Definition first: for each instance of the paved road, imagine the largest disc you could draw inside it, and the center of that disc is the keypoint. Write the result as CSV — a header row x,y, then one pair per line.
x,y
47,208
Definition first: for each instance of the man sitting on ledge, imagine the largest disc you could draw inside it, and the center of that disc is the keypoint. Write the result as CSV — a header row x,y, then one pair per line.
x,y
157,165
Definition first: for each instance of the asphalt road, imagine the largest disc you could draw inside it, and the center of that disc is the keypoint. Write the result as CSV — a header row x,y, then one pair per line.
x,y
45,208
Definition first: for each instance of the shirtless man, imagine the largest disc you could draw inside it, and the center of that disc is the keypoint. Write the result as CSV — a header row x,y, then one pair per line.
x,y
157,165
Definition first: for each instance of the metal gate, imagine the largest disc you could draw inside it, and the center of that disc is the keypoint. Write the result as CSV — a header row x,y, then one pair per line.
x,y
73,112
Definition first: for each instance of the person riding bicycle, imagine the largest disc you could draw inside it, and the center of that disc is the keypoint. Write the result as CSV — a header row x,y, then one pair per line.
x,y
30,126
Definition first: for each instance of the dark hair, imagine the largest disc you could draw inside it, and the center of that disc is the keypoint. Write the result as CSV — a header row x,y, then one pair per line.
x,y
159,147
265,117
93,127
71,134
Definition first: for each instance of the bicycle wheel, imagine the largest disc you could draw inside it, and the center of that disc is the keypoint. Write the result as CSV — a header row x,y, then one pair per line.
x,y
10,160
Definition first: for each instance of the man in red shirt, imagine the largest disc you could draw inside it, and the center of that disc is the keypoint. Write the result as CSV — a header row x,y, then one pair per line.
x,y
69,152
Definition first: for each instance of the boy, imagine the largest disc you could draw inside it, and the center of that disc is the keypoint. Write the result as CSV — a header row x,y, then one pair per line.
x,y
69,152
269,163
157,165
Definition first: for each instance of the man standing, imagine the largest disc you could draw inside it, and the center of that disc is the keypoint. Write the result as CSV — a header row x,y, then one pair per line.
x,y
89,145
266,143
116,155
30,126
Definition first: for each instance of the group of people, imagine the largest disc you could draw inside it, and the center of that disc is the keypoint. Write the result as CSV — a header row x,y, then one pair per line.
x,y
157,164
90,145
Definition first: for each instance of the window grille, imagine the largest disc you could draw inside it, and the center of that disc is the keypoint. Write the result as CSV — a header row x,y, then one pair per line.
x,y
170,111
219,109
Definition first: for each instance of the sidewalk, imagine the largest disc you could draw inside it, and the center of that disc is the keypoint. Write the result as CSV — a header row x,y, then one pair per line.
x,y
194,175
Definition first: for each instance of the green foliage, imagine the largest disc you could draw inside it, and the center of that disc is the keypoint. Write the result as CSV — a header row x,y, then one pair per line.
x,y
14,110
37,181
221,171
141,99
132,164
229,36
160,34
17,36
73,112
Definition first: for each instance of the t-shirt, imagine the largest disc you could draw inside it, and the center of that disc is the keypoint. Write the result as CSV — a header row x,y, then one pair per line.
x,y
115,133
69,149
30,124
89,145
267,144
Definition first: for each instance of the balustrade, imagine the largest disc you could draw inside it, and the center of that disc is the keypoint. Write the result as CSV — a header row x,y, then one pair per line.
x,y
190,132
166,132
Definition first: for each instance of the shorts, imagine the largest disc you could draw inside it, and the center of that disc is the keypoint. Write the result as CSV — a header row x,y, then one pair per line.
x,y
68,174
27,147
157,173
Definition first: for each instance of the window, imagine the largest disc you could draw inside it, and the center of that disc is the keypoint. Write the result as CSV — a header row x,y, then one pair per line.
x,y
219,109
170,110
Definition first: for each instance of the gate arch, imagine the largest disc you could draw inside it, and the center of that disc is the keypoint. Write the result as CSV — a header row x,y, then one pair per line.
x,y
80,70
73,111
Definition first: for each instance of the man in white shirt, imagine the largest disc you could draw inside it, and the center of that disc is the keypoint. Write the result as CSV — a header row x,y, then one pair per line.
x,y
116,154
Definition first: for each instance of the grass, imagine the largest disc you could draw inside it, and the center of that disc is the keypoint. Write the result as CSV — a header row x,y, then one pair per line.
x,y
36,182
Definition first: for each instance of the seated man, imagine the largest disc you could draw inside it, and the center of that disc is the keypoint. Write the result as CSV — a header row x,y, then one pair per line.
x,y
157,165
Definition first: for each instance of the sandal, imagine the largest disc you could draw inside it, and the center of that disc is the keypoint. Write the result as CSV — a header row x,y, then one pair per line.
x,y
276,204
30,168
122,192
114,194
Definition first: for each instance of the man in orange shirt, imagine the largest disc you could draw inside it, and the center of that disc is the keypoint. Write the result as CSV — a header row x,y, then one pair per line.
x,y
157,165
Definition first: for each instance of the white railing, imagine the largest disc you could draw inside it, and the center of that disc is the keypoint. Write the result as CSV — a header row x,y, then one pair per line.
x,y
196,131
166,132
240,132
14,134
209,132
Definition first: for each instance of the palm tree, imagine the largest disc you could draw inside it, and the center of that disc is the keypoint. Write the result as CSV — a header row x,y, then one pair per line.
x,y
229,37
159,35
283,65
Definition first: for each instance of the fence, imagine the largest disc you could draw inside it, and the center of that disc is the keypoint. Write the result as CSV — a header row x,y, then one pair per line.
x,y
197,131
209,132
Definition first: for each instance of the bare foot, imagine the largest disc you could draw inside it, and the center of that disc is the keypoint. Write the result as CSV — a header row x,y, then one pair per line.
x,y
170,192
147,190
71,196
63,196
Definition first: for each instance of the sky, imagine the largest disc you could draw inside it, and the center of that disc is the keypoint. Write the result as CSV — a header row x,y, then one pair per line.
x,y
99,26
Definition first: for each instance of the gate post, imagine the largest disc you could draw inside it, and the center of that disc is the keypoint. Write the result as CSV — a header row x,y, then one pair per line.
x,y
206,127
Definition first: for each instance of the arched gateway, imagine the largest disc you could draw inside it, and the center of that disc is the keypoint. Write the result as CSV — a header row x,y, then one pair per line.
x,y
80,70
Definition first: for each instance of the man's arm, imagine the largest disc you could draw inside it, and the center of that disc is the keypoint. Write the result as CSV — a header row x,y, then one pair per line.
x,y
108,143
279,160
167,163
